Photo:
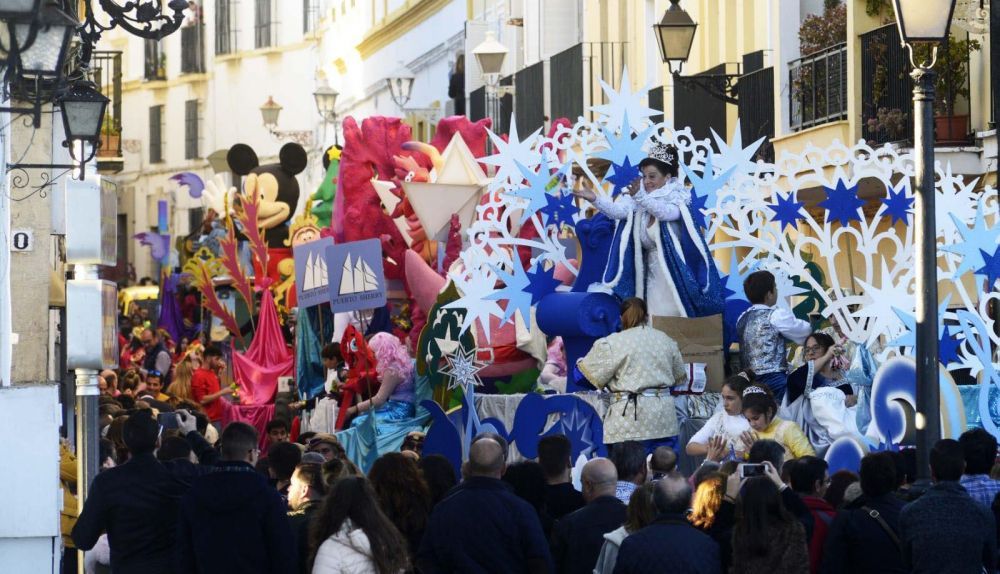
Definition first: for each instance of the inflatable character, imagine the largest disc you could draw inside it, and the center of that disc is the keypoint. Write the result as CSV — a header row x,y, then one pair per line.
x,y
278,191
362,377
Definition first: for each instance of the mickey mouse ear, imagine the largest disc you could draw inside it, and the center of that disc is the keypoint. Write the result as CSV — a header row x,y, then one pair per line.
x,y
293,158
242,159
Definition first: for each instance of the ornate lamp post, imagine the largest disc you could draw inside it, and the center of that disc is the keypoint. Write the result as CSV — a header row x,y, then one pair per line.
x,y
326,105
925,22
490,55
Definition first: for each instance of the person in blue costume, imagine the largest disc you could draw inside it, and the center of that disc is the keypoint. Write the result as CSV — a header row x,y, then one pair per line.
x,y
396,396
657,251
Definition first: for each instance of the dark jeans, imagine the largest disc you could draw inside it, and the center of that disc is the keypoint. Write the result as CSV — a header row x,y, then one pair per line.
x,y
777,383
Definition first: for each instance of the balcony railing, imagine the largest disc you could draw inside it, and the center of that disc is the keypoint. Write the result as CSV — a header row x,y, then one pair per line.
x,y
818,88
107,70
887,92
193,51
756,90
574,75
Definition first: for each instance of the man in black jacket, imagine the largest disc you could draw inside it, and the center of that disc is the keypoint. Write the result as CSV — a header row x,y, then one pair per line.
x,y
135,503
945,530
305,496
578,536
864,537
231,520
670,543
554,454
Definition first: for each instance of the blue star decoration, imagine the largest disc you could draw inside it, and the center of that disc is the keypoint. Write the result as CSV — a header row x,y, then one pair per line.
x,y
975,240
786,210
733,282
623,146
560,208
541,282
991,267
897,204
947,348
706,185
513,291
536,191
623,175
842,203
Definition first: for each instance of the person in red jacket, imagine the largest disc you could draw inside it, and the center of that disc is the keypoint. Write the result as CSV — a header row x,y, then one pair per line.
x,y
207,389
809,477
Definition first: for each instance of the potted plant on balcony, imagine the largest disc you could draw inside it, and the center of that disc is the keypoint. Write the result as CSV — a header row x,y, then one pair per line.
x,y
110,138
952,85
893,122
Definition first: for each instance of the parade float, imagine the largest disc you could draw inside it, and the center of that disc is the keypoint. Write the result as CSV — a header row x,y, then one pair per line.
x,y
473,250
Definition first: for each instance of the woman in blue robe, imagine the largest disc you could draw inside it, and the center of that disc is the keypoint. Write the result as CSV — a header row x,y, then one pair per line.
x,y
657,252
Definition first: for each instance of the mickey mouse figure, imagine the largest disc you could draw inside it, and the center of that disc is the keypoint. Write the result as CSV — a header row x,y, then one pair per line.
x,y
278,191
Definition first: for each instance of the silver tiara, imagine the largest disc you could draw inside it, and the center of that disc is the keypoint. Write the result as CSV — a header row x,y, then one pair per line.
x,y
754,390
663,152
745,376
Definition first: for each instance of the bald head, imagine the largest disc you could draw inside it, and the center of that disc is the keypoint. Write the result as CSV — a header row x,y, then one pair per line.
x,y
486,458
672,494
599,478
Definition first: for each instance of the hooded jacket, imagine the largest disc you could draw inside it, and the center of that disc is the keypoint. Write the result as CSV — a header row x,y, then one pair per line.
x,y
233,521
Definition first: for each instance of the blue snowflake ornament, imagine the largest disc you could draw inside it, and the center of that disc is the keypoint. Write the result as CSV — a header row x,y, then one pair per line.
x,y
786,210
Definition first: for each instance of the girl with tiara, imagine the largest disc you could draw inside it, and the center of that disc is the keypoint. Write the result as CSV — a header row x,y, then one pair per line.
x,y
761,411
657,252
721,439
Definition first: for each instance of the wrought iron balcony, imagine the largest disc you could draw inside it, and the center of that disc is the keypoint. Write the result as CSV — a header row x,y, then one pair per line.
x,y
106,67
818,88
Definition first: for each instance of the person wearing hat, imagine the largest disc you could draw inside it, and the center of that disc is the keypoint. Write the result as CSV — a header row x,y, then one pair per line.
x,y
658,252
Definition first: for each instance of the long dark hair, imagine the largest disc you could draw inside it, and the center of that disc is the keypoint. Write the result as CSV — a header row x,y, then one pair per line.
x,y
402,493
759,515
352,498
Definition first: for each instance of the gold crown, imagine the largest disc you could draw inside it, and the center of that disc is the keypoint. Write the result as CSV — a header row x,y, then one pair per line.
x,y
663,152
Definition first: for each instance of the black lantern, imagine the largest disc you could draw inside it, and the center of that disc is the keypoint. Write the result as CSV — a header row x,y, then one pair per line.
x,y
47,40
20,10
675,35
400,86
83,110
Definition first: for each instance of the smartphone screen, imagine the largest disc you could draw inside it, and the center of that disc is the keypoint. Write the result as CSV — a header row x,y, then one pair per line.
x,y
167,420
751,470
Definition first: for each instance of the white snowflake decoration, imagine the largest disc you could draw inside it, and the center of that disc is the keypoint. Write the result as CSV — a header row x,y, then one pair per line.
x,y
868,263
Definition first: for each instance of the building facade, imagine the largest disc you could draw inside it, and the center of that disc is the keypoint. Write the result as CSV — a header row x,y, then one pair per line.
x,y
187,99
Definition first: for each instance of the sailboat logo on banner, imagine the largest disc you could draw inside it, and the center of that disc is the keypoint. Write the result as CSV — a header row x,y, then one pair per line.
x,y
312,279
355,278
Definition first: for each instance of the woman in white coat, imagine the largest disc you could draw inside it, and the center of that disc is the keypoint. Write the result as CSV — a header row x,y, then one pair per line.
x,y
351,535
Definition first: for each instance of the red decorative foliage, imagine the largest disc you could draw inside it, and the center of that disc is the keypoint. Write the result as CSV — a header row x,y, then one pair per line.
x,y
231,261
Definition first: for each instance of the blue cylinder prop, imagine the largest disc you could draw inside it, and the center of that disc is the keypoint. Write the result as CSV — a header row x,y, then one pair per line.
x,y
580,319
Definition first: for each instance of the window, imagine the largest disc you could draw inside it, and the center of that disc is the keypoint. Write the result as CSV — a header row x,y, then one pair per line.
x,y
264,26
155,134
191,129
225,27
192,61
310,15
155,61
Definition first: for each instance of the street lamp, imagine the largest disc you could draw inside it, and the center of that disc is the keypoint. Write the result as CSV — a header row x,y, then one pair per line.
x,y
490,55
400,86
675,36
83,110
269,113
44,53
925,21
326,105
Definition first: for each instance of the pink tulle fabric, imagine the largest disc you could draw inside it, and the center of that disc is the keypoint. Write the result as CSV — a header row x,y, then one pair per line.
x,y
257,370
